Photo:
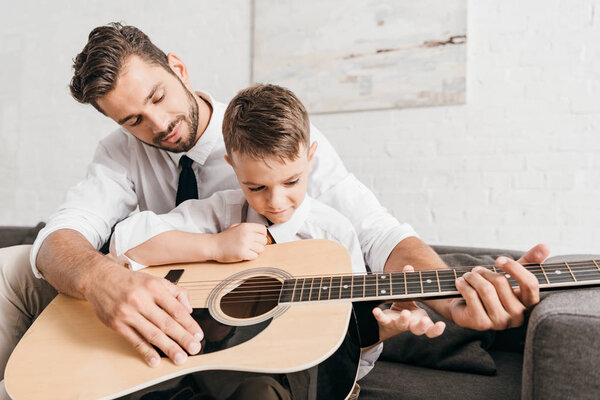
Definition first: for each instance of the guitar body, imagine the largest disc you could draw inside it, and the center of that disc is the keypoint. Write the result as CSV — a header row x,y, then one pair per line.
x,y
69,354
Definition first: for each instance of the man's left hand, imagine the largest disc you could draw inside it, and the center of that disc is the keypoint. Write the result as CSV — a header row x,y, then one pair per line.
x,y
489,302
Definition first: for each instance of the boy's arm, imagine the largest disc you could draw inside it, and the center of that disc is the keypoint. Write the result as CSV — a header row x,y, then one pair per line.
x,y
237,243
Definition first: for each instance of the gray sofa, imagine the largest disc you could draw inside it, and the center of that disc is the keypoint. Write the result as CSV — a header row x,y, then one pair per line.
x,y
557,355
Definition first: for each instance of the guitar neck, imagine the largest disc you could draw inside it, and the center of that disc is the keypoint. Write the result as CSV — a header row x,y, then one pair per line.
x,y
426,284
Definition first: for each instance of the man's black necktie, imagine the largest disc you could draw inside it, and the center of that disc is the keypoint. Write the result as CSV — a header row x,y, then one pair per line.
x,y
188,187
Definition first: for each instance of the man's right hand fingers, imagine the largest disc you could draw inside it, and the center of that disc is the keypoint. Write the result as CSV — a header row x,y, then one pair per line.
x,y
139,344
152,334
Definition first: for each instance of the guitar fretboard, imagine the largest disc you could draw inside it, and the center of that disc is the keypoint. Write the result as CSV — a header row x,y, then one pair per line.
x,y
426,284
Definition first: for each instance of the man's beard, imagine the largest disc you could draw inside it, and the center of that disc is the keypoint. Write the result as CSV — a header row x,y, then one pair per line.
x,y
184,143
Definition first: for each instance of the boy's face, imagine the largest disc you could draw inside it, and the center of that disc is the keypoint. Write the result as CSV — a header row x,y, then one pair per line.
x,y
153,104
274,188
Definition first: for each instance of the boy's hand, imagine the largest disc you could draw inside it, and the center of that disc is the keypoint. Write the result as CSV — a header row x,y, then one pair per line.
x,y
240,242
406,316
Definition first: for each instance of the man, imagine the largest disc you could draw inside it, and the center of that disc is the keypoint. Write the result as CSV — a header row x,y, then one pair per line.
x,y
170,133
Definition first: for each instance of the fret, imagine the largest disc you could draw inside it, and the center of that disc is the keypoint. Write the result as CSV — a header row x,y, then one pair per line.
x,y
358,286
325,288
315,289
429,282
584,270
571,272
421,281
346,290
558,273
384,284
305,292
370,289
596,264
413,283
287,291
544,272
336,285
460,271
437,278
397,279
537,271
447,280
297,290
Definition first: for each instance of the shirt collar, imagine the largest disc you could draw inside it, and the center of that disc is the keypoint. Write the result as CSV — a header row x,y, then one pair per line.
x,y
287,231
209,138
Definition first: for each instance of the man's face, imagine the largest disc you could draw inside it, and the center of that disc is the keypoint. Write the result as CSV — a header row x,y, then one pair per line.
x,y
274,188
154,105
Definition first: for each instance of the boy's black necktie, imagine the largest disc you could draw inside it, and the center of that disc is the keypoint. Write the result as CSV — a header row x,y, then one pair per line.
x,y
188,187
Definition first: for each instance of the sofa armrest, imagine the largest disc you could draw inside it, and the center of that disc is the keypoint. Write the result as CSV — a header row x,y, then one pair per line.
x,y
562,356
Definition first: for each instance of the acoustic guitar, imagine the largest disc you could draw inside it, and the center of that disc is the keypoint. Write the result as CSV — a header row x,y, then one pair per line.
x,y
286,311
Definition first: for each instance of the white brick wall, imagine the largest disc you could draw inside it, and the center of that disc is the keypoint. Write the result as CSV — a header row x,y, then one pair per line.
x,y
516,165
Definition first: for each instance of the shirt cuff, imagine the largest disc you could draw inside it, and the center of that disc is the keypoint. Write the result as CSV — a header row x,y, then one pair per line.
x,y
44,233
367,360
387,244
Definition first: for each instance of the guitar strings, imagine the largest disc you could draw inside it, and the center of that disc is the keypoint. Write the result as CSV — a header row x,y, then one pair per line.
x,y
278,287
431,274
249,292
576,266
314,293
271,298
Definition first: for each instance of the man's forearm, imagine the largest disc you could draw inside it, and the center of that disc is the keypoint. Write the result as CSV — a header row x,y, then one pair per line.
x,y
413,251
70,263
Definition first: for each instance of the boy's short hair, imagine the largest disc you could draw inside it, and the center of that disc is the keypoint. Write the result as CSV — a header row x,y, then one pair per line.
x,y
264,121
98,65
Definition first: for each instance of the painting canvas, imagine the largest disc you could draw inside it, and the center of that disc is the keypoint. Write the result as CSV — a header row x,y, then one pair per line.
x,y
340,56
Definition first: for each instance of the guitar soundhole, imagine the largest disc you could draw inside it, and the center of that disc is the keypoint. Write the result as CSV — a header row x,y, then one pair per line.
x,y
256,296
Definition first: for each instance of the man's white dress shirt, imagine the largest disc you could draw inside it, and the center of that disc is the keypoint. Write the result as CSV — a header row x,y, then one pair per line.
x,y
311,220
127,173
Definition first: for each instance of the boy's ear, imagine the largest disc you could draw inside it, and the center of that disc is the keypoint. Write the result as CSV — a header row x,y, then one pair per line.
x,y
311,151
228,160
178,67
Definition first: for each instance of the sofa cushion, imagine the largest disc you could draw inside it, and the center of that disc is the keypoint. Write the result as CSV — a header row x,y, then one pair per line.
x,y
15,235
396,381
457,349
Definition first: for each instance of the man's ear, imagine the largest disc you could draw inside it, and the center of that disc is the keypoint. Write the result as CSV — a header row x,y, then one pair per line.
x,y
178,67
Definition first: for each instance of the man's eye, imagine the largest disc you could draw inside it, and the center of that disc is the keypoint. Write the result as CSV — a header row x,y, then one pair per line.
x,y
136,122
256,189
292,183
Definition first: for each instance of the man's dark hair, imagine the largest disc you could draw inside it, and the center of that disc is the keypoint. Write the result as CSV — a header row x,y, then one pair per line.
x,y
98,65
266,121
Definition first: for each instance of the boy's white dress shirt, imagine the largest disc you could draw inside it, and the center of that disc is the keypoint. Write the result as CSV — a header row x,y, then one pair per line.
x,y
311,220
126,174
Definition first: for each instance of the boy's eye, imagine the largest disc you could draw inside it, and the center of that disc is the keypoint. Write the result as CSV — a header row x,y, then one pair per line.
x,y
292,183
162,96
256,189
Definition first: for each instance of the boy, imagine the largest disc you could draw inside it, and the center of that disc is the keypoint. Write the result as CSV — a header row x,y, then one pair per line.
x,y
267,138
